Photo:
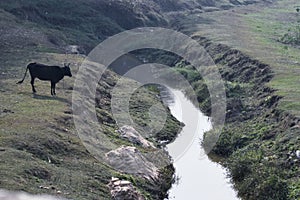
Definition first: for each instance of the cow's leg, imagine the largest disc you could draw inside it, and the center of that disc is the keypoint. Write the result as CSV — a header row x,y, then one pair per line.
x,y
32,84
53,89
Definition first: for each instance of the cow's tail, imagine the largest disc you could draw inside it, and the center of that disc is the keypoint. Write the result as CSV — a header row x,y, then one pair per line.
x,y
21,81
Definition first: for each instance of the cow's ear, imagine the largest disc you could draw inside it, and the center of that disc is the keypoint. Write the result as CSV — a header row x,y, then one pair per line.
x,y
67,64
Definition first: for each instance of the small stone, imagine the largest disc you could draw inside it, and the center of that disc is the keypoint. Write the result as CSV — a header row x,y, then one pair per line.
x,y
45,187
123,189
113,179
7,111
123,183
116,183
298,154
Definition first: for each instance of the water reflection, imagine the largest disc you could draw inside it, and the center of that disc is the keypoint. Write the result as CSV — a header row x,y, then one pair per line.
x,y
9,195
199,177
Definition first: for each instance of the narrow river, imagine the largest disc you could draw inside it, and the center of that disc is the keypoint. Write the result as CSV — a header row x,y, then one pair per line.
x,y
199,177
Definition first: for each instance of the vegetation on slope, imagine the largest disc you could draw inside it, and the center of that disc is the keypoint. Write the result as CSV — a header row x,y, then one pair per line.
x,y
42,153
261,134
259,141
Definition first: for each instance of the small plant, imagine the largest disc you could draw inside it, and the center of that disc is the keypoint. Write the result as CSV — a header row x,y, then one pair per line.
x,y
293,34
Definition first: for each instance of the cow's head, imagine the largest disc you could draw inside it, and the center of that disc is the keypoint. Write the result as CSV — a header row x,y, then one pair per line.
x,y
67,70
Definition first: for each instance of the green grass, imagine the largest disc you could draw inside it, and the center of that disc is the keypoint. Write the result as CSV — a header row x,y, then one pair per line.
x,y
36,129
32,133
269,25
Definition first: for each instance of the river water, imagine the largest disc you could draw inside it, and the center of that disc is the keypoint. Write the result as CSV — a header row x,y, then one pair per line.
x,y
10,195
199,177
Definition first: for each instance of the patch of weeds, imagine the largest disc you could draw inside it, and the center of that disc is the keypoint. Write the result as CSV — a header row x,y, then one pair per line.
x,y
294,189
255,179
292,36
236,136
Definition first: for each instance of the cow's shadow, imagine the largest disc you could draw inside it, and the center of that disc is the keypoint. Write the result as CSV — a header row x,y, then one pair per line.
x,y
45,97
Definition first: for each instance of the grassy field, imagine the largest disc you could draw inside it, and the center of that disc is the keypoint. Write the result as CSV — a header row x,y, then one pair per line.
x,y
269,26
40,146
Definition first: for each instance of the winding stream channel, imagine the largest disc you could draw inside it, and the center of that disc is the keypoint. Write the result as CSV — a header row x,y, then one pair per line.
x,y
199,177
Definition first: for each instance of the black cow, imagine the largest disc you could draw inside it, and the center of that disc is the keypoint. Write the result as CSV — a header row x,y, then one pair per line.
x,y
46,73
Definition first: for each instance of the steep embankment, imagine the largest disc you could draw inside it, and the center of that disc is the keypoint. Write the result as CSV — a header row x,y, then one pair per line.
x,y
259,140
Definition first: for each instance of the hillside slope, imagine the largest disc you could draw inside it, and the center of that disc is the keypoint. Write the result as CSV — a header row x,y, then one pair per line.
x,y
84,23
39,147
42,153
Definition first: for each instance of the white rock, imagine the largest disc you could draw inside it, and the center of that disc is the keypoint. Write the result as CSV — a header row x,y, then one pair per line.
x,y
298,154
123,183
113,179
130,134
131,161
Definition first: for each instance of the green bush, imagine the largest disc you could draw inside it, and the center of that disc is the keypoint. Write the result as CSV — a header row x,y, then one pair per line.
x,y
255,180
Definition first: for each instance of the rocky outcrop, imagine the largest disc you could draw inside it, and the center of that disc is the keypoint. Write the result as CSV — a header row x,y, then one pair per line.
x,y
130,160
122,189
130,134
